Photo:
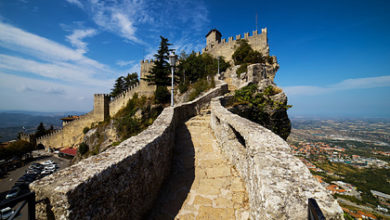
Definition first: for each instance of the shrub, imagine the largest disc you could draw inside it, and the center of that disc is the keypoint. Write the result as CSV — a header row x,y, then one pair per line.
x,y
242,69
241,52
199,87
85,130
254,57
270,60
83,148
162,94
183,87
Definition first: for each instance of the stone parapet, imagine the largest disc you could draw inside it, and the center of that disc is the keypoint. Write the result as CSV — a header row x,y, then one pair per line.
x,y
122,182
279,184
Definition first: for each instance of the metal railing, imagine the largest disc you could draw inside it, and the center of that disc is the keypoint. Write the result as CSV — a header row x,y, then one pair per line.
x,y
314,211
25,198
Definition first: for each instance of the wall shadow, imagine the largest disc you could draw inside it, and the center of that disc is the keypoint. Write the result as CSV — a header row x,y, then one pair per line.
x,y
176,187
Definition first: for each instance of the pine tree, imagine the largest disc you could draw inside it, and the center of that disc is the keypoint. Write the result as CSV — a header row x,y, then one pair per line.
x,y
130,80
159,74
119,87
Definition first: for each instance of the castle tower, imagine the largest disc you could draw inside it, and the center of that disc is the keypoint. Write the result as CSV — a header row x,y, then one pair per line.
x,y
101,107
213,37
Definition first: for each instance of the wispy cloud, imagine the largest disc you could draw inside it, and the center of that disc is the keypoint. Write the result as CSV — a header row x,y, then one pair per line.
x,y
50,59
50,90
76,38
136,21
125,63
348,84
76,2
21,41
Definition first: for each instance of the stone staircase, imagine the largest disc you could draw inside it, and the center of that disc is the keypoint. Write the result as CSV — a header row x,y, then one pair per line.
x,y
202,183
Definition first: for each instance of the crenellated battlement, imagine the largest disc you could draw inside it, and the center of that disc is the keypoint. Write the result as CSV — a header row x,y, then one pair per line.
x,y
147,61
222,47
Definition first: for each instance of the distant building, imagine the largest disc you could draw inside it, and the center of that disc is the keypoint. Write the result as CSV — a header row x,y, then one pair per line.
x,y
68,119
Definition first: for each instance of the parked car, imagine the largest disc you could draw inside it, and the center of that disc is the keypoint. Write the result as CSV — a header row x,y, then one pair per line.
x,y
52,166
33,171
47,172
48,162
36,166
15,191
26,178
6,213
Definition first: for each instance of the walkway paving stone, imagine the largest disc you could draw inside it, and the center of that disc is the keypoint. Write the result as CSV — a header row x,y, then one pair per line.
x,y
202,184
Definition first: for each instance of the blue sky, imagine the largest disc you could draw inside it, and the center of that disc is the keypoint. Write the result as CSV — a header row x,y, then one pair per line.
x,y
334,56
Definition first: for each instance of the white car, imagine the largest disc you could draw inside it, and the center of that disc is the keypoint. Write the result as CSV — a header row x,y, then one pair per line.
x,y
47,172
51,166
48,162
6,213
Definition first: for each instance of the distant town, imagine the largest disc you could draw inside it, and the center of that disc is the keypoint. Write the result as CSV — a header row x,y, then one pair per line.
x,y
351,159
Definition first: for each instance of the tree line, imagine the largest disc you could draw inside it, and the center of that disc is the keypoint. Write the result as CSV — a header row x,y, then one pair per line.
x,y
123,83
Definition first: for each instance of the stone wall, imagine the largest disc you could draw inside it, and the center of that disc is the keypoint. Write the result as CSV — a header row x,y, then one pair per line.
x,y
226,48
121,100
279,184
122,182
70,135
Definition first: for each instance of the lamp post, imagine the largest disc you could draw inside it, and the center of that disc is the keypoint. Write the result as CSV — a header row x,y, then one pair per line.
x,y
172,62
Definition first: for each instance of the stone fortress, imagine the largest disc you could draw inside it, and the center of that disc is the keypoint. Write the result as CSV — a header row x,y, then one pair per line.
x,y
126,181
71,135
216,46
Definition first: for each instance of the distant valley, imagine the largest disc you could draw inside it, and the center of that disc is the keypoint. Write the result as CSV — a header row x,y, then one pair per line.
x,y
12,122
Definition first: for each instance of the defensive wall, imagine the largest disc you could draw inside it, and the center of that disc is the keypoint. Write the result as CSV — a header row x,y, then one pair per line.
x,y
123,181
226,48
279,184
72,132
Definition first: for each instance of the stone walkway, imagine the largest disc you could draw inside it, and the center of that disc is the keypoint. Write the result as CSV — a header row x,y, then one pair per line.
x,y
202,184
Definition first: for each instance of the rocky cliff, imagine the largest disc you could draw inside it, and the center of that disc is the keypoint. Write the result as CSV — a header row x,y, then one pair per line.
x,y
258,99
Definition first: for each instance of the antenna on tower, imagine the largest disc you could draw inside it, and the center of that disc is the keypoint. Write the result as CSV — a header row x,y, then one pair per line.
x,y
256,21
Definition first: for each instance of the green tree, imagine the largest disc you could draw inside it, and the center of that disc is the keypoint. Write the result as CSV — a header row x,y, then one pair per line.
x,y
40,130
241,52
130,80
119,86
17,148
159,74
83,148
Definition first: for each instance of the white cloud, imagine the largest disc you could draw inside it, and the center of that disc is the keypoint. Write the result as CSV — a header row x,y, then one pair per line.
x,y
57,61
76,2
21,41
135,20
56,70
348,84
78,35
125,63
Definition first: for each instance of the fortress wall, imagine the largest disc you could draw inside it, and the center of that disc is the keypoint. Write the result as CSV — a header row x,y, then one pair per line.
x,y
226,48
122,182
279,184
70,135
121,100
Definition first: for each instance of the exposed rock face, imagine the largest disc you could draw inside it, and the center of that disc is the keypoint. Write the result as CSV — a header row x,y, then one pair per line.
x,y
272,112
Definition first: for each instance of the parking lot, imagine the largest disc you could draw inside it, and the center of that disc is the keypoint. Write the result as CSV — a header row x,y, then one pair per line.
x,y
8,181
